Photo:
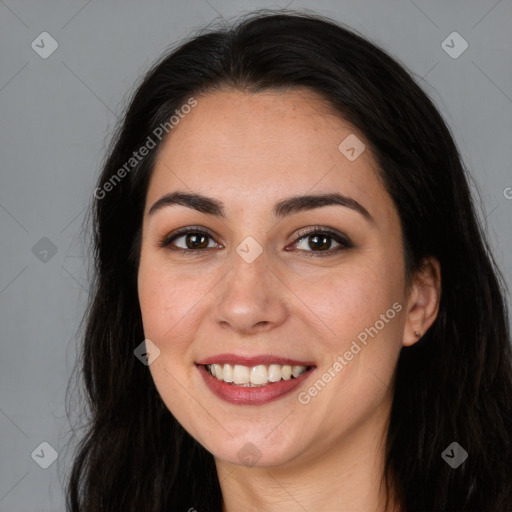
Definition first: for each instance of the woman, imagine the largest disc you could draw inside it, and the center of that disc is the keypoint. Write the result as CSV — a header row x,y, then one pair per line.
x,y
294,306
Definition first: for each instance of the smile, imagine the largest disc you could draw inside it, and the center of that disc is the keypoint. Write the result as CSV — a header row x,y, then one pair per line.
x,y
255,376
252,380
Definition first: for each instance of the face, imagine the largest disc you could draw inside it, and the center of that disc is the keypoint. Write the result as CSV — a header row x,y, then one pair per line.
x,y
315,286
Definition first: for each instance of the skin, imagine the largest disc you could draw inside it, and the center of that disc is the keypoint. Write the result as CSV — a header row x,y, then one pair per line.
x,y
250,151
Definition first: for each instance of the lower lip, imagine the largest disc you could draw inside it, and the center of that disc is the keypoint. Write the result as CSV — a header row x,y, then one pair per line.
x,y
251,396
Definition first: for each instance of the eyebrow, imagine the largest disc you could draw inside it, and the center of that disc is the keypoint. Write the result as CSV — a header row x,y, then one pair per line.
x,y
281,209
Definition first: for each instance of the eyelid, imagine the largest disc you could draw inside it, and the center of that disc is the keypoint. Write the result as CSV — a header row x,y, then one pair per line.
x,y
312,230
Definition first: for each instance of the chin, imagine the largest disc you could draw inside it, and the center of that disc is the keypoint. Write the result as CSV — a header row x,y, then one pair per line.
x,y
255,448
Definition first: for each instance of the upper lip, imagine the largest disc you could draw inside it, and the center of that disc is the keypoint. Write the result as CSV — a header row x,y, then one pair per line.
x,y
253,360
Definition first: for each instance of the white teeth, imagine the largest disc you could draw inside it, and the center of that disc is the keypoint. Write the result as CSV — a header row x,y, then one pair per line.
x,y
298,370
218,371
274,373
259,375
241,374
228,373
286,372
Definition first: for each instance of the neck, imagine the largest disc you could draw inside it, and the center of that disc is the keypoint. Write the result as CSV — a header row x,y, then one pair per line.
x,y
348,476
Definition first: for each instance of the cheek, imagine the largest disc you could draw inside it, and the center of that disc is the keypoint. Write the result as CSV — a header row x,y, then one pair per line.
x,y
351,299
158,295
171,303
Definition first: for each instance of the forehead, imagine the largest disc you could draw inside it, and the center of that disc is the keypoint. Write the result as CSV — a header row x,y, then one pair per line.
x,y
254,148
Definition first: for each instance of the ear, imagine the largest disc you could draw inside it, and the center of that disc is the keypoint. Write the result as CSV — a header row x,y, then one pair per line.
x,y
423,301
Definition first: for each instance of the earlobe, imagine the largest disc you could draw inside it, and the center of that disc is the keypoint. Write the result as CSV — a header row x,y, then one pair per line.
x,y
423,302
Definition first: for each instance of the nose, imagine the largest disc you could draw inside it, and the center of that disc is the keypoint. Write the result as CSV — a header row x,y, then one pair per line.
x,y
251,298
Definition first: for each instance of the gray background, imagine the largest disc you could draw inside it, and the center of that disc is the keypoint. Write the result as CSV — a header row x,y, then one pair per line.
x,y
56,118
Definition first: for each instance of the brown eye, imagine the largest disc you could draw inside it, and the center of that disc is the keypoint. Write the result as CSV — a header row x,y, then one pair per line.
x,y
320,241
195,240
188,240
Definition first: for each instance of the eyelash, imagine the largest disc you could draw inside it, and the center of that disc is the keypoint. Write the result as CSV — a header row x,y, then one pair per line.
x,y
343,240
